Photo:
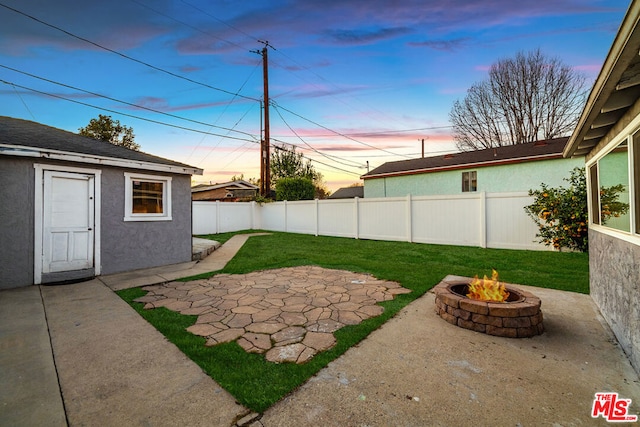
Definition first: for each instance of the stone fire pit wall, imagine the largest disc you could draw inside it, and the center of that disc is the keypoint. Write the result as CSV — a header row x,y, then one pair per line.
x,y
518,319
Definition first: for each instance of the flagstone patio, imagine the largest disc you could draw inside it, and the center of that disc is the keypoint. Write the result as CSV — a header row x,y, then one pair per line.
x,y
288,313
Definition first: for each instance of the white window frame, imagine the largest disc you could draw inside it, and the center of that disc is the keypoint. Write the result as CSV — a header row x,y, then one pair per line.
x,y
470,181
128,197
625,134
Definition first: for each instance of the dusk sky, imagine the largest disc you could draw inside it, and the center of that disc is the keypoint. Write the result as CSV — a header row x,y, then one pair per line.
x,y
351,81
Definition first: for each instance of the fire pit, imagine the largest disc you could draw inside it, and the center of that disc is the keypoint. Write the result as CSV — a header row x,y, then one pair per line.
x,y
518,316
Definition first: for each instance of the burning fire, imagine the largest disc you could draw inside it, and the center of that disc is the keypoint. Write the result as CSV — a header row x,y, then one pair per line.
x,y
488,289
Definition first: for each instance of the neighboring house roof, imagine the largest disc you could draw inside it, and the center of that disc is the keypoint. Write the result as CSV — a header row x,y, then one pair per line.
x,y
231,185
348,192
616,89
25,138
532,151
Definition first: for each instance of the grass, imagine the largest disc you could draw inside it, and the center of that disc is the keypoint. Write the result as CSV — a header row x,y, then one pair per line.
x,y
258,384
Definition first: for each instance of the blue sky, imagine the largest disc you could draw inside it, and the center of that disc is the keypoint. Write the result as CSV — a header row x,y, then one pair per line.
x,y
352,81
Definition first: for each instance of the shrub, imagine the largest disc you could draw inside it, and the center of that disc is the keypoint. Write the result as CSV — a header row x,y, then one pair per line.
x,y
295,189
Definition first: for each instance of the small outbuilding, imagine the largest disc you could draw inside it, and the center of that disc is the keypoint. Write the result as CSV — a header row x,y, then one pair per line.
x,y
73,207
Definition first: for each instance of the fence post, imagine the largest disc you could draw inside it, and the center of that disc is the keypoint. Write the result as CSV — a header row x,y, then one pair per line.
x,y
253,209
285,216
356,218
317,218
409,219
217,216
483,219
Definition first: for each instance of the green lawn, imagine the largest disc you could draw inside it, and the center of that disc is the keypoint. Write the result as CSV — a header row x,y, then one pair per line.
x,y
258,384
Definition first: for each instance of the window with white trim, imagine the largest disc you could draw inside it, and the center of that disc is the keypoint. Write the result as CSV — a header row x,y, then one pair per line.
x,y
469,181
147,197
616,169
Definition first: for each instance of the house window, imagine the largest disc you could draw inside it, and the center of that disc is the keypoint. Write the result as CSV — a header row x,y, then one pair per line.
x,y
636,178
613,172
147,198
613,187
469,181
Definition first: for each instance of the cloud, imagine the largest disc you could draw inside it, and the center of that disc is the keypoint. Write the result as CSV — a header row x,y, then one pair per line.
x,y
442,45
162,104
118,24
364,36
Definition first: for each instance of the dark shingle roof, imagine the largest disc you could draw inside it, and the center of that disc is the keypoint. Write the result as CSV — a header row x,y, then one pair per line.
x,y
348,193
531,151
25,133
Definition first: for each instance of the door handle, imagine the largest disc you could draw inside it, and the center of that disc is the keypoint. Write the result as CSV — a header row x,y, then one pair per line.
x,y
89,229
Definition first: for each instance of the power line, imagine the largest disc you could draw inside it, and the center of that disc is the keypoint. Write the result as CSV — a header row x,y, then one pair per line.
x,y
343,135
383,132
186,24
124,102
334,158
220,20
215,146
313,160
126,56
222,114
123,114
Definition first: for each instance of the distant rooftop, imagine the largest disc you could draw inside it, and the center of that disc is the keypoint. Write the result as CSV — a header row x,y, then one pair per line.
x,y
531,151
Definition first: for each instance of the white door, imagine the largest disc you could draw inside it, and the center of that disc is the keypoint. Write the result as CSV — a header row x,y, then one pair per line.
x,y
68,221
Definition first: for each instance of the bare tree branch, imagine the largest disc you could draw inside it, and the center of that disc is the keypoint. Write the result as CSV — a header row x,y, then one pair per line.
x,y
527,98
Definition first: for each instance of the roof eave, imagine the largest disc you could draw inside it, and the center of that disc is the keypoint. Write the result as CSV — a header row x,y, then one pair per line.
x,y
22,151
464,166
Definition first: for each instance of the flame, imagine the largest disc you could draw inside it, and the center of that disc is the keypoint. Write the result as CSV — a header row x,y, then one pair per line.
x,y
488,289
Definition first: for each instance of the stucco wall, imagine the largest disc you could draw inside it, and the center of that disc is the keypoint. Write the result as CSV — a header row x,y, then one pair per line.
x,y
125,246
494,179
137,244
16,222
615,288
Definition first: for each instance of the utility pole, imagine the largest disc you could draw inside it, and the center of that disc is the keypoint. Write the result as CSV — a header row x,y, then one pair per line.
x,y
265,172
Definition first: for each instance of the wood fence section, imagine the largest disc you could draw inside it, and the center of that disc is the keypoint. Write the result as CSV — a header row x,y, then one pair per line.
x,y
492,220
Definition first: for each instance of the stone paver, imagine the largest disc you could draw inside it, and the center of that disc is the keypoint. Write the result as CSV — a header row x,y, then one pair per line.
x,y
288,314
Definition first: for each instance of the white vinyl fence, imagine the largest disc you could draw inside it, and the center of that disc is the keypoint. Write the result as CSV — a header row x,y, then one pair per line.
x,y
488,220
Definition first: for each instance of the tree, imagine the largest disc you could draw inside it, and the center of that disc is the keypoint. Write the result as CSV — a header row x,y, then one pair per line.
x,y
527,98
287,163
105,128
561,213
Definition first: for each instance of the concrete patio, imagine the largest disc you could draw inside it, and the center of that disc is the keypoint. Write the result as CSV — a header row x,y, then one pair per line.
x,y
79,355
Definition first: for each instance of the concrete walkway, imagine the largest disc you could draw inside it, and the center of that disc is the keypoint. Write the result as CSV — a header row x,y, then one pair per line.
x,y
79,355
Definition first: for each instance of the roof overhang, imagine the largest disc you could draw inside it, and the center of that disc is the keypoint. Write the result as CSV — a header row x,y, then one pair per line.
x,y
22,151
615,90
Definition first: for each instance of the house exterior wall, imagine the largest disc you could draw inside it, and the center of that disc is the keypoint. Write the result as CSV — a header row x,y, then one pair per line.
x,y
615,288
141,244
16,222
125,245
494,179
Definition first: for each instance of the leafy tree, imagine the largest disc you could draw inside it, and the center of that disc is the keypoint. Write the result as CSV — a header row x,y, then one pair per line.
x,y
296,188
561,213
527,98
287,163
107,129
